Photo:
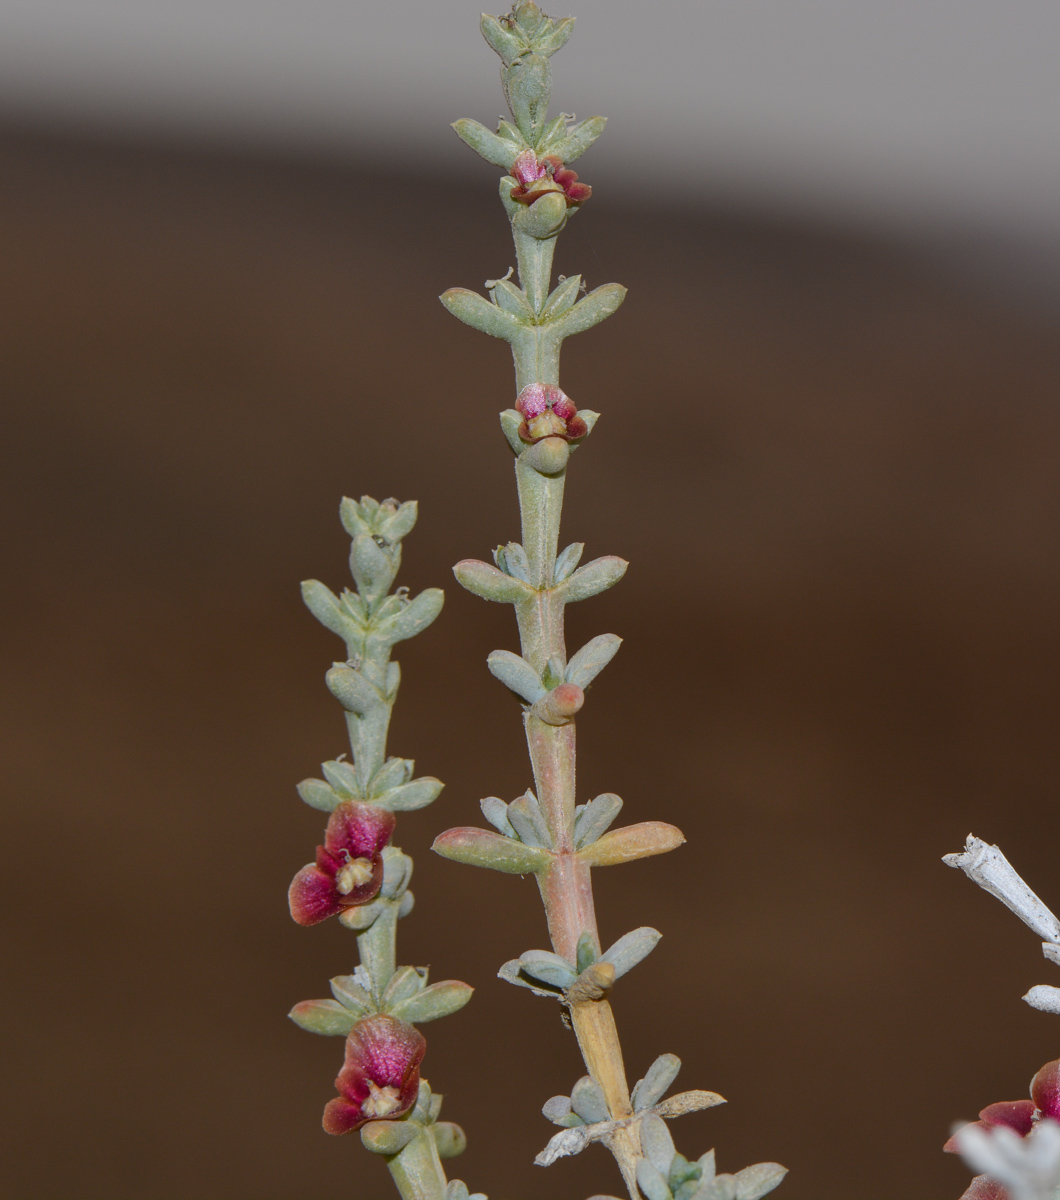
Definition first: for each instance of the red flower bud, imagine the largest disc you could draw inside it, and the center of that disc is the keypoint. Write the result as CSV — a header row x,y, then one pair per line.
x,y
549,412
380,1078
1045,1090
349,866
547,175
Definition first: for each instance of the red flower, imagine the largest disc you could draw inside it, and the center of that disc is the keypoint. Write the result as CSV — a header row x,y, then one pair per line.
x,y
381,1075
349,866
1018,1115
548,412
548,175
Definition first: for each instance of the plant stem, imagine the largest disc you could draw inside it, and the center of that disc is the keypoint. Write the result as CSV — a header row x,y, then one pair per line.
x,y
377,947
417,1169
566,888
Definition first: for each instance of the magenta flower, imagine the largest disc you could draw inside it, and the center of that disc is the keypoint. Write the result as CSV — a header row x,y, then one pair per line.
x,y
349,866
380,1077
549,175
1020,1116
548,412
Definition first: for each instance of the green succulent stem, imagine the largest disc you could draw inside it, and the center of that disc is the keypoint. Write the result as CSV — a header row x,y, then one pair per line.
x,y
533,257
377,946
417,1170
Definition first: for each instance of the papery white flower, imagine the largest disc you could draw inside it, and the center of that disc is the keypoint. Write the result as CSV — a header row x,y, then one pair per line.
x,y
1027,1167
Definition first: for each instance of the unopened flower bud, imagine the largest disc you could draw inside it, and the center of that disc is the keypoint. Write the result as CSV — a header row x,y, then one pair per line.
x,y
560,705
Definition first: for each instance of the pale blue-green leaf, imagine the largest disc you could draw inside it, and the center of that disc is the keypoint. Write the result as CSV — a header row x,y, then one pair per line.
x,y
350,994
496,812
481,848
481,314
591,659
721,1187
567,560
561,299
488,582
513,300
393,773
439,1000
405,982
516,673
595,818
657,1144
397,871
660,1075
512,560
509,45
352,517
527,820
547,967
317,794
353,691
577,139
706,1164
587,1100
405,907
556,38
343,778
600,303
595,577
631,949
651,1182
416,615
323,1016
400,525
512,972
754,1182
511,420
488,145
557,1109
586,952
324,605
411,796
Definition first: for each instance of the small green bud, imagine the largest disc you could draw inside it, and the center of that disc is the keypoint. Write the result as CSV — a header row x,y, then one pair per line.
x,y
594,819
544,219
372,565
389,1137
560,705
353,691
547,457
526,818
587,951
449,1139
361,917
397,872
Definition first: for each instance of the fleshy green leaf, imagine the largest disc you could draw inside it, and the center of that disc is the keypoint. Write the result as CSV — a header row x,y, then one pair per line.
x,y
561,299
754,1182
574,142
512,972
411,796
513,300
488,145
600,303
401,524
496,812
317,794
592,822
631,842
547,967
631,949
393,773
657,1144
567,560
511,420
591,659
324,605
405,982
587,1100
438,1000
586,952
651,1182
352,690
517,674
323,1016
660,1076
415,616
595,577
349,993
481,314
490,583
528,821
343,778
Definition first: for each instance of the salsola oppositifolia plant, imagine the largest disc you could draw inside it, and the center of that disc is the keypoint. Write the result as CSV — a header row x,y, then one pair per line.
x,y
359,875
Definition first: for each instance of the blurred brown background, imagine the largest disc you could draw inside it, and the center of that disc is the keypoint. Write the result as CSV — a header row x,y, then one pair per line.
x,y
832,467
